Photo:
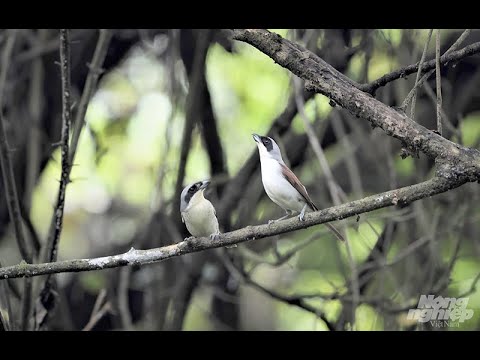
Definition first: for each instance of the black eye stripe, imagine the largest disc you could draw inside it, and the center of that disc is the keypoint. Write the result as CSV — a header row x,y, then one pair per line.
x,y
191,191
268,143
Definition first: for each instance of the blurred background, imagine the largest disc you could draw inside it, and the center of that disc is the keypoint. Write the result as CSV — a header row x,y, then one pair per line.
x,y
175,106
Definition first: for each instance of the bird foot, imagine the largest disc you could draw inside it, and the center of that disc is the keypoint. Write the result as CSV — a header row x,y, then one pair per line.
x,y
214,237
271,221
189,238
301,216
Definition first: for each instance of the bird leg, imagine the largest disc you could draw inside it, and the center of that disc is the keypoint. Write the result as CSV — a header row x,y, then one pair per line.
x,y
301,217
214,237
289,213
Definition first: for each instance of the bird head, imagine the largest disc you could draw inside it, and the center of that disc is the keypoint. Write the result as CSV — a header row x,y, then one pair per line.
x,y
268,148
192,193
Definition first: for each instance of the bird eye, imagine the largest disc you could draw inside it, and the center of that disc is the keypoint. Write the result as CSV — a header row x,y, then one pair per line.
x,y
266,141
192,189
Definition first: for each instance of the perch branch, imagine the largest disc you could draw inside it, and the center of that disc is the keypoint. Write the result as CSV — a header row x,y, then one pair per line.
x,y
401,196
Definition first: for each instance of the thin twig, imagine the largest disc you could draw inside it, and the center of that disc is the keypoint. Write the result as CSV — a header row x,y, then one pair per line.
x,y
57,219
314,143
123,308
280,259
98,311
51,246
333,187
242,275
419,72
174,94
9,183
446,58
428,74
45,48
439,83
352,165
98,302
95,70
35,106
26,303
446,121
332,184
6,320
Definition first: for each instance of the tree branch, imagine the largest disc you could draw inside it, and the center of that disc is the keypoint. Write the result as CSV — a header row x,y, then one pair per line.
x,y
57,220
428,74
438,82
419,72
401,196
447,58
51,246
192,108
95,70
457,161
11,195
242,275
6,318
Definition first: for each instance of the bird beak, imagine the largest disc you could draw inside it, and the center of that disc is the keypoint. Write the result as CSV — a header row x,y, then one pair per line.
x,y
204,185
256,137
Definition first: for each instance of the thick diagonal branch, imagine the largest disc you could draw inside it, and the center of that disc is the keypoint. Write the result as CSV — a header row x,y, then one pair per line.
x,y
458,161
401,196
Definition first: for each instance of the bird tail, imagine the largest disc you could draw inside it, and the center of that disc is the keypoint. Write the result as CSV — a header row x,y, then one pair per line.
x,y
332,228
335,232
313,206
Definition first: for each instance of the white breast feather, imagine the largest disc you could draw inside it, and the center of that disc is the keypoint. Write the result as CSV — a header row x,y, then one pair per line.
x,y
200,218
278,188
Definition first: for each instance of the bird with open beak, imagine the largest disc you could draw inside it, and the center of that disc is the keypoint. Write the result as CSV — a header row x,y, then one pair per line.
x,y
197,212
281,184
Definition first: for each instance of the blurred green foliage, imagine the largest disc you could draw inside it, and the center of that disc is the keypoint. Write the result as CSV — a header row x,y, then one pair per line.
x,y
123,148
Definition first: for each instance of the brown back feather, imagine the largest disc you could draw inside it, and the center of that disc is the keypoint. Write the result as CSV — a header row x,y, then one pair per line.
x,y
293,180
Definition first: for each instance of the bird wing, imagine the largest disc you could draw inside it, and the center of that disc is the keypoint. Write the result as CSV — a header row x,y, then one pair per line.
x,y
293,180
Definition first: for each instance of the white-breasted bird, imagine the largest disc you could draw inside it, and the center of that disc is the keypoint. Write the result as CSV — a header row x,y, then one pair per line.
x,y
281,184
198,213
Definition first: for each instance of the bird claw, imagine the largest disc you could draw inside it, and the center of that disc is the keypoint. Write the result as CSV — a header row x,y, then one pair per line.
x,y
214,237
271,221
189,238
301,217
